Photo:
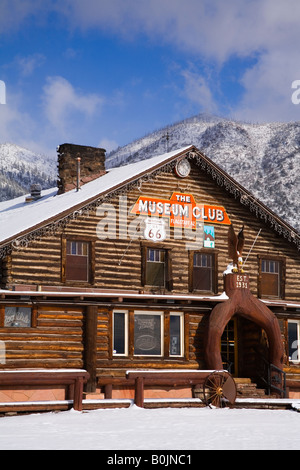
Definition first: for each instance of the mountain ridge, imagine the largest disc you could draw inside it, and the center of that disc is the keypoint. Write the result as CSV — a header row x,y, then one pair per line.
x,y
20,167
264,158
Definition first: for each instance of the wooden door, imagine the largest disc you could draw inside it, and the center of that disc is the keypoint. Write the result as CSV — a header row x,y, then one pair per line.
x,y
229,347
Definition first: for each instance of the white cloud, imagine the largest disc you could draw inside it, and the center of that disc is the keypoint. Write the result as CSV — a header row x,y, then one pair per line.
x,y
67,111
15,12
29,63
64,105
215,29
15,125
197,90
267,88
108,144
213,32
25,65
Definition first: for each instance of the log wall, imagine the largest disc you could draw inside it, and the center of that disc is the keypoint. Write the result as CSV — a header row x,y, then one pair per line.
x,y
58,340
117,263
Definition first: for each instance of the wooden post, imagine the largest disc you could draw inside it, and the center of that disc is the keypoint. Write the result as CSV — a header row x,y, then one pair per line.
x,y
108,391
90,346
139,392
78,391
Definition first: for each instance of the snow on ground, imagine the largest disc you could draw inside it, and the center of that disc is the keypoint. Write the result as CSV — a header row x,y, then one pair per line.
x,y
136,429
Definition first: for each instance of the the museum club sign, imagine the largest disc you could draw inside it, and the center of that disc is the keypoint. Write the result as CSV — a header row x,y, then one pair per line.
x,y
155,216
181,210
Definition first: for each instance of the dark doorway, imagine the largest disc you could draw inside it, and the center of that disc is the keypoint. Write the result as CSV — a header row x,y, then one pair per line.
x,y
244,349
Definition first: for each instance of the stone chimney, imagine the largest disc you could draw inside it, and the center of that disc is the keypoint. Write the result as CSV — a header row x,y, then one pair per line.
x,y
77,165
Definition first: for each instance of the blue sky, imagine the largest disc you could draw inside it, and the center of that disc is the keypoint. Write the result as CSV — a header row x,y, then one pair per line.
x,y
106,72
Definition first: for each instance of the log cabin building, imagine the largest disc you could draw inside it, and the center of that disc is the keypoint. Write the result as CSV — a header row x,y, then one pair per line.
x,y
127,268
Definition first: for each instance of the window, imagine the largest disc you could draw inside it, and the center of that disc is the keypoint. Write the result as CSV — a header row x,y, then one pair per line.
x,y
77,261
153,333
156,267
148,334
120,322
17,317
176,336
203,271
77,255
294,340
271,278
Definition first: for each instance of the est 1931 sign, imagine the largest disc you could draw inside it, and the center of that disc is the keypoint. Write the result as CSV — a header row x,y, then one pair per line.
x,y
242,281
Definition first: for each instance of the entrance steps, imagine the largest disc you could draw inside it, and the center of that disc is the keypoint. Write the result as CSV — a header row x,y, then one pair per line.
x,y
247,389
249,396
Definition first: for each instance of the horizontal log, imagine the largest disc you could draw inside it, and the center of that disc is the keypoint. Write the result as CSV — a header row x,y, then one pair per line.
x,y
43,363
66,325
42,376
294,384
44,346
172,382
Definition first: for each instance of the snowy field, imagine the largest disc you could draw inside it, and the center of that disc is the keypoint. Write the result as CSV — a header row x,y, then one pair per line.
x,y
153,429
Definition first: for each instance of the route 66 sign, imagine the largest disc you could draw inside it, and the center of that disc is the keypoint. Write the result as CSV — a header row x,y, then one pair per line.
x,y
155,229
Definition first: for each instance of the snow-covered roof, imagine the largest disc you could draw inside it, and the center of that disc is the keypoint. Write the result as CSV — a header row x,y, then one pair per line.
x,y
18,217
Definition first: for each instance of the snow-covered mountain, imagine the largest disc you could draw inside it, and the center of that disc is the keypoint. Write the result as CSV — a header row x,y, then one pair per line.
x,y
19,168
264,158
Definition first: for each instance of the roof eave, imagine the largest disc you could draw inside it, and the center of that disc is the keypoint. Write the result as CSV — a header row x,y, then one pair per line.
x,y
77,207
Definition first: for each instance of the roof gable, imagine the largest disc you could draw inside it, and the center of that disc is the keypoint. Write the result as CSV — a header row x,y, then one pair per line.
x,y
22,222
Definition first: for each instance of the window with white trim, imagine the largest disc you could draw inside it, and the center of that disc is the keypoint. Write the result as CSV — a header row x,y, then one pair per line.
x,y
120,333
148,336
176,334
294,340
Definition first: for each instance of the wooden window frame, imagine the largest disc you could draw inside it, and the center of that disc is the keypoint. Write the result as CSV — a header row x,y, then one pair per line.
x,y
126,333
91,271
168,266
182,336
282,276
129,338
33,323
214,254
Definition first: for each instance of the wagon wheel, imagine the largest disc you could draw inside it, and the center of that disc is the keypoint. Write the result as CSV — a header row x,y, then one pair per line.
x,y
218,389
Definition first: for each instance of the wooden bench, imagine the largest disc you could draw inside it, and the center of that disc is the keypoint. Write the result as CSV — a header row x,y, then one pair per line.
x,y
72,378
107,384
218,386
